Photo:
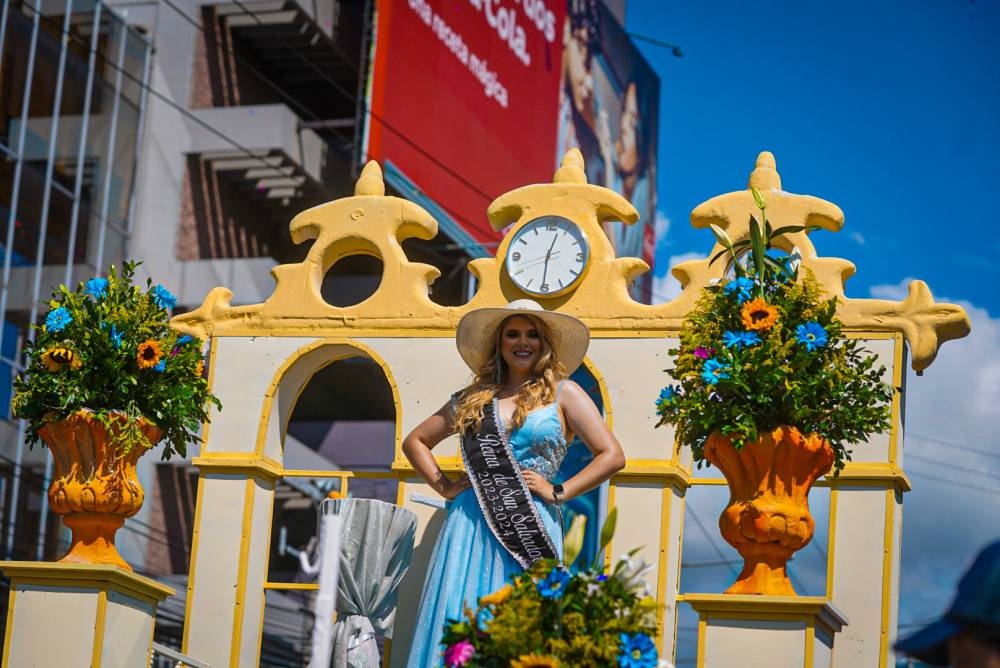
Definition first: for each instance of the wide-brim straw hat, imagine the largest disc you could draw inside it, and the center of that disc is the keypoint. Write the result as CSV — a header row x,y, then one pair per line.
x,y
476,336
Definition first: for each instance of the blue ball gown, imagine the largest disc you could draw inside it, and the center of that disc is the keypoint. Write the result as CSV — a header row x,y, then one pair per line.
x,y
468,562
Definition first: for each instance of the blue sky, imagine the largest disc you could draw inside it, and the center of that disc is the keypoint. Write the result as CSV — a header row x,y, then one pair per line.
x,y
891,110
888,109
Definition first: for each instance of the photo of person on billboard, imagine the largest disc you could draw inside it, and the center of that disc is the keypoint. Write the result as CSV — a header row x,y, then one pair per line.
x,y
608,107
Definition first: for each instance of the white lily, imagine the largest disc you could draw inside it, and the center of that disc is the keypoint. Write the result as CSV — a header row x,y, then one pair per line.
x,y
632,575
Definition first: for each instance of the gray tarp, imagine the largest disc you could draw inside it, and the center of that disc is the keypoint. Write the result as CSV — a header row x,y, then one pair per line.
x,y
375,553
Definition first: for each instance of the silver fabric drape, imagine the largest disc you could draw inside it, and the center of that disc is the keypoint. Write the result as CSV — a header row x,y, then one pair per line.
x,y
377,546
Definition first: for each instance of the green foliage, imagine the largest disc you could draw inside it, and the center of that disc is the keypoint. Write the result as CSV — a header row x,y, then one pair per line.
x,y
108,347
582,627
580,623
764,349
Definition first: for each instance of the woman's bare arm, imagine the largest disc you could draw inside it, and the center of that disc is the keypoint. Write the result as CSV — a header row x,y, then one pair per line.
x,y
417,447
584,420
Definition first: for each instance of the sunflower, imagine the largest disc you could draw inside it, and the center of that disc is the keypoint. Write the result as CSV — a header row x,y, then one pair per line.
x,y
534,661
57,357
199,368
759,315
497,597
149,354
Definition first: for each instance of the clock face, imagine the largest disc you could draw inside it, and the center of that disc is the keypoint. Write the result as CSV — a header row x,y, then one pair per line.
x,y
547,256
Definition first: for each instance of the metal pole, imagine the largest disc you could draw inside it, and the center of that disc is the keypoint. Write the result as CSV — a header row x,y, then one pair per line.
x,y
8,254
3,29
140,129
40,261
74,221
112,132
331,527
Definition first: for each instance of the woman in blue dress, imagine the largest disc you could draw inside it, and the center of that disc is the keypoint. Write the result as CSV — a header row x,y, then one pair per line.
x,y
515,421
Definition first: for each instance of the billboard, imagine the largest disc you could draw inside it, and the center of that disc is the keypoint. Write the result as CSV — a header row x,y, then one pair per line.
x,y
608,108
470,98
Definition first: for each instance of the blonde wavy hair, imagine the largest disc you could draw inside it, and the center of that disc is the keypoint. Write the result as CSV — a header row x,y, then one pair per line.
x,y
538,391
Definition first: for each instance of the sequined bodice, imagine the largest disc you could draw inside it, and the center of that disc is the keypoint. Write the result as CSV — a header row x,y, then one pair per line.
x,y
539,444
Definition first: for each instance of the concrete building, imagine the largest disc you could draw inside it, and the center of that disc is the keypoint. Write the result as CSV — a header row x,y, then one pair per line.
x,y
72,107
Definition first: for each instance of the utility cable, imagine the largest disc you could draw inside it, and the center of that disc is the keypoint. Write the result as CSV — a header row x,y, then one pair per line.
x,y
954,467
978,451
963,485
352,96
291,101
711,540
162,537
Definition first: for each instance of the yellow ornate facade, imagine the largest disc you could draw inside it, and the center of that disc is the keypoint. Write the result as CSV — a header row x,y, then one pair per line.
x,y
264,354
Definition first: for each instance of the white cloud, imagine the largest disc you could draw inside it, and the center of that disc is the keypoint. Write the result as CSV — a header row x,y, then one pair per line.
x,y
660,228
662,225
893,292
858,238
665,286
952,413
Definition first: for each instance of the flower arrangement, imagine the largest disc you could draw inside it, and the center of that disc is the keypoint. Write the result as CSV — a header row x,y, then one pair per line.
x,y
764,348
552,616
107,348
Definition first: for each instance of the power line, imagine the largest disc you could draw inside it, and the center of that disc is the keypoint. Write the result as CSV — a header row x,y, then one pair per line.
x,y
154,534
953,467
978,451
957,483
291,101
354,98
165,99
711,540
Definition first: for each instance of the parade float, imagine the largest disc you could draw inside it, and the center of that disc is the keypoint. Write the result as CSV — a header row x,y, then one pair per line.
x,y
262,356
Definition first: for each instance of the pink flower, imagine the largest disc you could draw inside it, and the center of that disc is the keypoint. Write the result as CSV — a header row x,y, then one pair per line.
x,y
458,654
704,353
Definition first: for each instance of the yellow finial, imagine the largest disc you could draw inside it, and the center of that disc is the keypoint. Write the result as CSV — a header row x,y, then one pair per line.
x,y
370,182
765,176
571,169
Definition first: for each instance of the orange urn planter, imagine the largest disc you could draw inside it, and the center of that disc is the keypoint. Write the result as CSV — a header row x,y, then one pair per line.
x,y
94,485
767,519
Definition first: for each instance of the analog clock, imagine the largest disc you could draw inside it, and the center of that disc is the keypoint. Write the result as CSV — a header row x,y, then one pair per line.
x,y
547,256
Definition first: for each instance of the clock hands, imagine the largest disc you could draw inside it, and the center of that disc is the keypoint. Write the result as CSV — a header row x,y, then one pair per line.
x,y
548,256
527,264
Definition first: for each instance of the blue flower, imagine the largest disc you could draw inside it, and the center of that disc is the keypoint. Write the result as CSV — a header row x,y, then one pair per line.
x,y
811,335
160,366
742,287
554,584
184,339
163,297
96,287
713,371
636,651
116,336
740,339
57,319
667,395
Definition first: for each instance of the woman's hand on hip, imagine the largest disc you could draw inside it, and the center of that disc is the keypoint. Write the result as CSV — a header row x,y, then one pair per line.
x,y
453,487
539,486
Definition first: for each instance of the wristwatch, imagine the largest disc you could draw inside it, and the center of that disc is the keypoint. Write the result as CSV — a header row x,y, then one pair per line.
x,y
557,493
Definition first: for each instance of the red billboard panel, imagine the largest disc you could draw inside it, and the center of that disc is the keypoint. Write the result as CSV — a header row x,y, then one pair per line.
x,y
471,98
463,99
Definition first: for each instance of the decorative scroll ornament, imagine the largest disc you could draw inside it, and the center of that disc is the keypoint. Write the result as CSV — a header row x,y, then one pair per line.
x,y
375,224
